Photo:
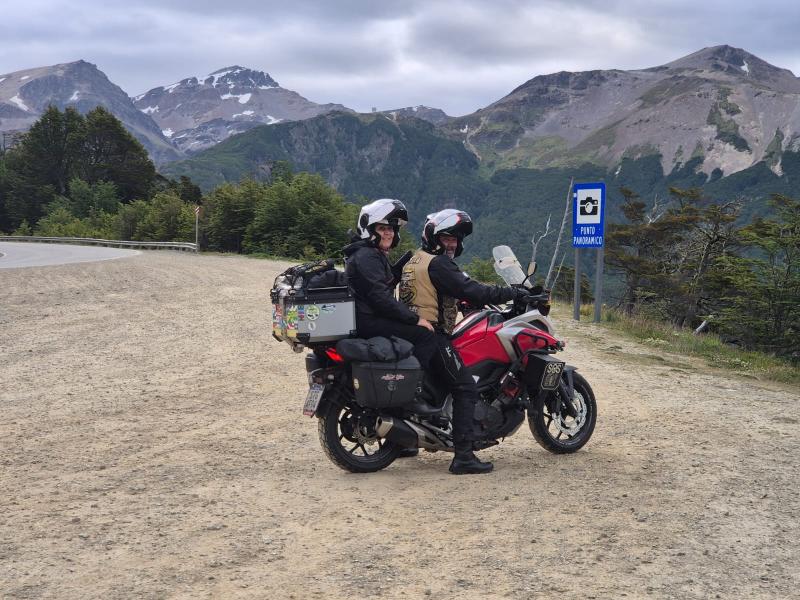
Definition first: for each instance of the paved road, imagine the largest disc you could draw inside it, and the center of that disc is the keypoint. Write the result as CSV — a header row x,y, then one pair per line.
x,y
15,255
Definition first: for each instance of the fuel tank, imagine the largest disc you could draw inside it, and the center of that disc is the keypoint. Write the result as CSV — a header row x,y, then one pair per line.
x,y
476,340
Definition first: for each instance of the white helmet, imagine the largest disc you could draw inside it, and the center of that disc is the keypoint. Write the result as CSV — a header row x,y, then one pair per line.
x,y
386,211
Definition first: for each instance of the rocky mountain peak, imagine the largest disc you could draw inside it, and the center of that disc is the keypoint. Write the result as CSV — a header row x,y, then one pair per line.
x,y
26,94
717,58
433,115
202,110
720,108
727,62
225,79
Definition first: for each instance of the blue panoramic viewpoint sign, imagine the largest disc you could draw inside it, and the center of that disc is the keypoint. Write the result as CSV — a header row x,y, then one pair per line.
x,y
588,210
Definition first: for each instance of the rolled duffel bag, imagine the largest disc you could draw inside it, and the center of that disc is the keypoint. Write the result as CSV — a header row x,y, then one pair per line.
x,y
374,349
387,384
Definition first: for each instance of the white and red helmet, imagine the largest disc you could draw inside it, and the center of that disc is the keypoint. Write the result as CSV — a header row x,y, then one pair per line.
x,y
450,221
386,211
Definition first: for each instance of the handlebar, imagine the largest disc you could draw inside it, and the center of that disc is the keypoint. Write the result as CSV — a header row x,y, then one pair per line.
x,y
536,298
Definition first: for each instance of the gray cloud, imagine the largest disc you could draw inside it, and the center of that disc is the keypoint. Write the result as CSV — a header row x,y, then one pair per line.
x,y
459,55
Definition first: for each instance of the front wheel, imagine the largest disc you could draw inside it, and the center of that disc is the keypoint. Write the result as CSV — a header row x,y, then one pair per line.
x,y
348,437
554,428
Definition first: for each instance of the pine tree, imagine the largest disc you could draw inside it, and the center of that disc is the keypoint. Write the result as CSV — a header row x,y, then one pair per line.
x,y
666,253
762,287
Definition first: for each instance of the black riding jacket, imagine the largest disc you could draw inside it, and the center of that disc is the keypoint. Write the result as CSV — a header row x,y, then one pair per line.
x,y
451,281
370,275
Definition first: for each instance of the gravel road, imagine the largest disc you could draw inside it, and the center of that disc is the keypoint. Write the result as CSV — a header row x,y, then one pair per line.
x,y
152,446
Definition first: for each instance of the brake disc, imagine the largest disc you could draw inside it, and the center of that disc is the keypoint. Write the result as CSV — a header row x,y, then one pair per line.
x,y
363,434
355,431
573,427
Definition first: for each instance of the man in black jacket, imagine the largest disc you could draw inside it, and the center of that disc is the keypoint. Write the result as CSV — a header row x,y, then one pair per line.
x,y
431,285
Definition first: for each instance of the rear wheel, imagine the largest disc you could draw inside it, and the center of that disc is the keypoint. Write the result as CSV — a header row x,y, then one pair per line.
x,y
348,437
554,428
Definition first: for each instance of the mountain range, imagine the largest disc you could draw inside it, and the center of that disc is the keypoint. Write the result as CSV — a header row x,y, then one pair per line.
x,y
720,119
721,104
171,121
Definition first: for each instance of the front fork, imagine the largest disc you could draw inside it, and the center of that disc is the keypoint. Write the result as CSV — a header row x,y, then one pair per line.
x,y
565,396
567,392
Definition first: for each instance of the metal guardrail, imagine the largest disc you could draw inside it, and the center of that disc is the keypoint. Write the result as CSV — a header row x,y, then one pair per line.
x,y
185,246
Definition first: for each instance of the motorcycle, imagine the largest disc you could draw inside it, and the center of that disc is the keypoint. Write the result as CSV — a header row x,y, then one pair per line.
x,y
368,412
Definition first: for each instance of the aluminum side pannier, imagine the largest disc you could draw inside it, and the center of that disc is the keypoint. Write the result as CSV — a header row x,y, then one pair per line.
x,y
312,304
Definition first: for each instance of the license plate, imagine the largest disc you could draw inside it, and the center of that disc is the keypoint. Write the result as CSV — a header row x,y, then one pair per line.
x,y
313,398
552,375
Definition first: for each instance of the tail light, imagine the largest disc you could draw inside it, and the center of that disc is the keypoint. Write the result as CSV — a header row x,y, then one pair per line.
x,y
334,355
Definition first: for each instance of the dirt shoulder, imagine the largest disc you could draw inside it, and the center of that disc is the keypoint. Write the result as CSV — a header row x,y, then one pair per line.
x,y
152,446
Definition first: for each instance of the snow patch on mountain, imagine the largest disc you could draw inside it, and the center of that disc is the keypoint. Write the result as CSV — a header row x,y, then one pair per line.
x,y
167,132
75,96
243,98
149,110
246,113
24,77
18,101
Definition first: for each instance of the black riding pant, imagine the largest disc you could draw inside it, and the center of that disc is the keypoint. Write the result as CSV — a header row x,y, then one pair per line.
x,y
440,360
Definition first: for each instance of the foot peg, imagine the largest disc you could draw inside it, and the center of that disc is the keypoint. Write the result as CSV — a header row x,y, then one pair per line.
x,y
423,409
408,453
483,444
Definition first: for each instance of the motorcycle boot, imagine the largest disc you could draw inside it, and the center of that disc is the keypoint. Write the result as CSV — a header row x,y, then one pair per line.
x,y
466,463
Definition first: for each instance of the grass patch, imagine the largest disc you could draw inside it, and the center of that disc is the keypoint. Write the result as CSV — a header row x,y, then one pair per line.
x,y
727,129
710,347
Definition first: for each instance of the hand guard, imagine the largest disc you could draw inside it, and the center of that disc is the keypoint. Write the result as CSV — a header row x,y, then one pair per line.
x,y
537,297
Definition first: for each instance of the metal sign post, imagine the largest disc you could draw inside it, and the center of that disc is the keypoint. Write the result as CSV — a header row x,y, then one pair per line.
x,y
576,290
197,228
588,220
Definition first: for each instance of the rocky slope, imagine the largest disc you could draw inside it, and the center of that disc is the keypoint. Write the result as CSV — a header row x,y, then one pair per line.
x,y
722,104
201,111
24,96
361,155
433,115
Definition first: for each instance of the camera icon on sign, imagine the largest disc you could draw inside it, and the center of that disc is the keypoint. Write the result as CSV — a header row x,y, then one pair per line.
x,y
588,206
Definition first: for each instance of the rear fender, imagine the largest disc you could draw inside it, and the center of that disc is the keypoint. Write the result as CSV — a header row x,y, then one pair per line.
x,y
333,378
332,398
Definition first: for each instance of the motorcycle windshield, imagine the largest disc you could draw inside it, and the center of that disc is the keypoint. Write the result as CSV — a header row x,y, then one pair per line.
x,y
507,266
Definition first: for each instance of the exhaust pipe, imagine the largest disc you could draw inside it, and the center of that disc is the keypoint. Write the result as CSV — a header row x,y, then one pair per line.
x,y
407,434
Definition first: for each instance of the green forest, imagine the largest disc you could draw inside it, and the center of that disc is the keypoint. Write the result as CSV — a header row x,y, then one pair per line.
x,y
675,250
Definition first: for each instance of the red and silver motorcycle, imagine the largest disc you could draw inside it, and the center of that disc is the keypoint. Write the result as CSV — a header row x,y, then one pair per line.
x,y
369,411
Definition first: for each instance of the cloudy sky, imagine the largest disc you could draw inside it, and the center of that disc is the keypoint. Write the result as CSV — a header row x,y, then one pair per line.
x,y
458,55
